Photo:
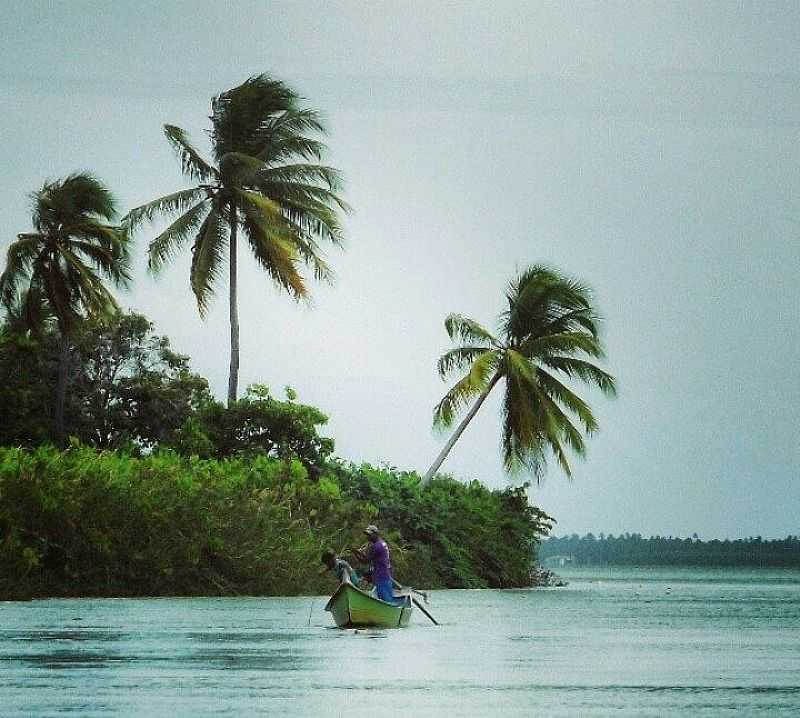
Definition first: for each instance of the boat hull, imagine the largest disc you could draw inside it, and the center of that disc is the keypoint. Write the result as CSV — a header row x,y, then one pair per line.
x,y
353,608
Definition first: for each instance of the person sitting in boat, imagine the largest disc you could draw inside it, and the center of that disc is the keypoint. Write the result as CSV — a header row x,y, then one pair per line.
x,y
341,569
376,553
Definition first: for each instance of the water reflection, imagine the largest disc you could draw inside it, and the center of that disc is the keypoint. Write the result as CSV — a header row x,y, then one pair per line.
x,y
93,650
86,634
244,659
64,659
245,637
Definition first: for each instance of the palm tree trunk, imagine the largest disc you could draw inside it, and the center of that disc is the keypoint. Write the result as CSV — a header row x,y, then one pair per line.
x,y
457,433
233,376
61,389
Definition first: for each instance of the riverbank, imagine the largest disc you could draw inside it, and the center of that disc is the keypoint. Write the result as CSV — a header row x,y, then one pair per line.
x,y
88,523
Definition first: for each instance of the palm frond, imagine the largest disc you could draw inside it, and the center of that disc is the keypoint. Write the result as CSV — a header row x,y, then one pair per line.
x,y
303,174
48,274
521,439
284,148
284,136
273,244
580,369
561,426
558,427
32,311
238,169
297,234
458,359
310,254
315,220
575,320
476,381
539,296
192,163
535,420
295,121
87,290
241,116
79,197
20,257
567,343
562,394
164,247
166,206
208,256
111,261
460,328
532,423
519,365
302,194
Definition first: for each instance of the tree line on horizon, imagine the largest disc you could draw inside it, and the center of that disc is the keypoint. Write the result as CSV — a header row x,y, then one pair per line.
x,y
268,183
637,550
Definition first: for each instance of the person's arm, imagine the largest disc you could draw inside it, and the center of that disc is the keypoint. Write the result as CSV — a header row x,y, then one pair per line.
x,y
362,553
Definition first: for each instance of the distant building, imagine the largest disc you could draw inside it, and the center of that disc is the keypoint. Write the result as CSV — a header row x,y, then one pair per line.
x,y
557,561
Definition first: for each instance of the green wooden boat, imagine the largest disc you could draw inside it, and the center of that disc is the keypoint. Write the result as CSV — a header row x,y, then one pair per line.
x,y
353,608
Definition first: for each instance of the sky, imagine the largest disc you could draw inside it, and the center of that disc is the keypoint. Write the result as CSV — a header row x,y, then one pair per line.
x,y
650,149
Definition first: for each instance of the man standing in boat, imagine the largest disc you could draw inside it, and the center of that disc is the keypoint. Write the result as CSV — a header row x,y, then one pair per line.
x,y
376,553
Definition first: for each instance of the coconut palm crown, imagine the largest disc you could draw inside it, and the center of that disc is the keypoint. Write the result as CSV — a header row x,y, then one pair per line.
x,y
74,247
546,339
59,270
266,181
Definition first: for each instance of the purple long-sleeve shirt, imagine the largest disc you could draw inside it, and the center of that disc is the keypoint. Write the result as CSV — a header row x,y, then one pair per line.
x,y
378,556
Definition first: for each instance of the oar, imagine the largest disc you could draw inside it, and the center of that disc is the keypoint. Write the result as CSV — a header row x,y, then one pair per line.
x,y
422,608
418,604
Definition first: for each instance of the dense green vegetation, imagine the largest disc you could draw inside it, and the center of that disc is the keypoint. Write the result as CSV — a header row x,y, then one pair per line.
x,y
83,522
636,550
165,490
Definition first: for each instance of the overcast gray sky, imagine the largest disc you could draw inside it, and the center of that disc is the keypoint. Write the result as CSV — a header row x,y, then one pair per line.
x,y
652,149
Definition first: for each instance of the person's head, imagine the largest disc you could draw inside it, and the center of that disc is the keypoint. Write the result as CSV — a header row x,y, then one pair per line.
x,y
329,557
372,533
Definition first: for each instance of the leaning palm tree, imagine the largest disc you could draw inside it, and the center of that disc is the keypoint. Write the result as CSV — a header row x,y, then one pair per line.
x,y
267,182
548,333
58,269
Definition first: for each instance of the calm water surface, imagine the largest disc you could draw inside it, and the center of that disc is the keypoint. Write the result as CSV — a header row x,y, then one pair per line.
x,y
614,642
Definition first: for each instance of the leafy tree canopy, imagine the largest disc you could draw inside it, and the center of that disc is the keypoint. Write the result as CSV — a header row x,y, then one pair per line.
x,y
128,387
258,423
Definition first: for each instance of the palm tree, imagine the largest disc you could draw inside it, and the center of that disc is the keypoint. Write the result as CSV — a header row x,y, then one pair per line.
x,y
548,333
267,183
58,269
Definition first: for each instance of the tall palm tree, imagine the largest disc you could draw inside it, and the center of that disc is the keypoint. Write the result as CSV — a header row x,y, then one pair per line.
x,y
268,182
548,333
58,269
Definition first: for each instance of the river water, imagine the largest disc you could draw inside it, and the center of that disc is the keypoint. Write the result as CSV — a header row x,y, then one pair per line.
x,y
621,642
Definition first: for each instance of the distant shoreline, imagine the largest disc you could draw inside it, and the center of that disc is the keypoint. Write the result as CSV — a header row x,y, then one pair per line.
x,y
634,550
